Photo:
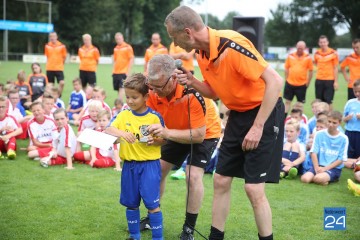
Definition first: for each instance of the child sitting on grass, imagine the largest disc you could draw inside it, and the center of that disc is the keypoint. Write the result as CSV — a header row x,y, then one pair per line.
x,y
64,144
99,158
328,153
293,151
9,129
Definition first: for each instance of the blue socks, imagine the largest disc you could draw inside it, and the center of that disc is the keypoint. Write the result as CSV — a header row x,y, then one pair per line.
x,y
156,223
133,219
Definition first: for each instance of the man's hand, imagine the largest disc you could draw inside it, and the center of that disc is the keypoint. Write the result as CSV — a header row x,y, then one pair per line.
x,y
252,138
158,130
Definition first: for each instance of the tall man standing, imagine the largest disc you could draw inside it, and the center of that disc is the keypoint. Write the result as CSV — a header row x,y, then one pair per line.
x,y
235,72
155,48
327,62
123,60
298,74
55,51
89,59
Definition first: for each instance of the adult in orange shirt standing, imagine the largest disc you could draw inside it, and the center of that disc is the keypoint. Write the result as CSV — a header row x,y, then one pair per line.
x,y
123,60
89,58
187,58
55,51
155,48
353,63
298,74
201,133
251,148
327,61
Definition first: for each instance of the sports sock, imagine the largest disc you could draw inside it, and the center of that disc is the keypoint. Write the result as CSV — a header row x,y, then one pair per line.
x,y
190,219
216,234
270,237
133,219
156,223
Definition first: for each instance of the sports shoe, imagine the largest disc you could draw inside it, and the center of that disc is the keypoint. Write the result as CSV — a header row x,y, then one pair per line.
x,y
282,174
11,154
36,158
179,174
354,188
187,233
145,224
44,164
292,173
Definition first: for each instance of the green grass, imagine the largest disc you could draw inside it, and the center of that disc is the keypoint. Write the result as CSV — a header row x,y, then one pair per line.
x,y
53,203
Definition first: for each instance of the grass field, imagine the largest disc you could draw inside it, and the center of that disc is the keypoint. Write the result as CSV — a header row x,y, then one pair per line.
x,y
53,203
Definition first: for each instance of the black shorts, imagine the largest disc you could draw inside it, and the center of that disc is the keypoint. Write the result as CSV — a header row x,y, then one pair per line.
x,y
351,94
87,77
177,153
51,75
259,165
354,143
118,80
324,90
299,91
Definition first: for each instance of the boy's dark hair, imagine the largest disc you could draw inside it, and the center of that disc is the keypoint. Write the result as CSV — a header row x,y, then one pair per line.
x,y
60,110
118,101
335,115
137,82
47,95
322,121
76,80
356,83
37,64
35,103
297,111
356,40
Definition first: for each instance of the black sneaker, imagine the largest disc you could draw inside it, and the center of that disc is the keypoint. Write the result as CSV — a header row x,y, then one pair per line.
x,y
145,224
187,233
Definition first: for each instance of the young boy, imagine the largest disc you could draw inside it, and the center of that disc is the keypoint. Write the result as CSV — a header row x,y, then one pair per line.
x,y
141,174
9,129
49,106
118,105
352,125
42,131
328,153
304,130
64,144
55,92
77,100
100,158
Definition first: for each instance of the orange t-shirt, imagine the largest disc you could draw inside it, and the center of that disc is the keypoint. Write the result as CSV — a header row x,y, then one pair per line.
x,y
56,55
123,54
298,68
188,64
213,121
353,62
175,112
326,61
89,58
152,51
233,70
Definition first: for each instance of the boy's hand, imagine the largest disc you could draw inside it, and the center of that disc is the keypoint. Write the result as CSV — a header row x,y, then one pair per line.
x,y
358,116
91,163
129,137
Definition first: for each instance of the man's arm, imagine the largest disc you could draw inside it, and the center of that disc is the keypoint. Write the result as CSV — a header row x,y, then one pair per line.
x,y
187,78
346,76
273,87
131,63
310,75
336,84
179,136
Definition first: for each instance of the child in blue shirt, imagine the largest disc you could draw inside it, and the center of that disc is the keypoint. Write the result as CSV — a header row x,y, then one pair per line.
x,y
77,100
328,153
352,125
141,175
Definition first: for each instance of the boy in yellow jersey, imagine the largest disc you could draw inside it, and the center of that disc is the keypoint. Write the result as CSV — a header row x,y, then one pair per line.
x,y
141,175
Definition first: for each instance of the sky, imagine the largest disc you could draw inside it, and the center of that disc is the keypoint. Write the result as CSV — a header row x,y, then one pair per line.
x,y
246,8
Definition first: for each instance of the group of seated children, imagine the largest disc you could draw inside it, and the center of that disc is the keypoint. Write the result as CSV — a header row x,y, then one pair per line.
x,y
318,148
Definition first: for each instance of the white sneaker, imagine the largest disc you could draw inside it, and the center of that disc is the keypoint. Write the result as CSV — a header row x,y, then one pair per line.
x,y
44,164
36,159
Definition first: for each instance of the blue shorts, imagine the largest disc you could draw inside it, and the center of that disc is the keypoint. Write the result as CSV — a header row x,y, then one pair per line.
x,y
70,115
334,173
140,180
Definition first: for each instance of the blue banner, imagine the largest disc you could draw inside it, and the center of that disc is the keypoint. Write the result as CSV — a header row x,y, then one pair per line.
x,y
26,26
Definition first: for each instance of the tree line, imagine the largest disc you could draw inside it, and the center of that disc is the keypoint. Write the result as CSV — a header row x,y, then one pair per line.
x,y
138,19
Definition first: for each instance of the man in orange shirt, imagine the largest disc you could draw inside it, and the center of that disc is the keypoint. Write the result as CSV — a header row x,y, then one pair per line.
x,y
298,74
155,48
193,140
353,63
55,51
123,61
187,58
89,58
327,62
251,148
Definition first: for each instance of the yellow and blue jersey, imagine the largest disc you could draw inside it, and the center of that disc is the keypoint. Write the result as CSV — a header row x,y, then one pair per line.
x,y
136,123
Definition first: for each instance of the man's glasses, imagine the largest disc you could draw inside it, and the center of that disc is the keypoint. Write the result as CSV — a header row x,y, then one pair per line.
x,y
155,87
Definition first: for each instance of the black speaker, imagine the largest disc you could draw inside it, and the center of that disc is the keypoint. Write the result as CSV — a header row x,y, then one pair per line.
x,y
252,28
